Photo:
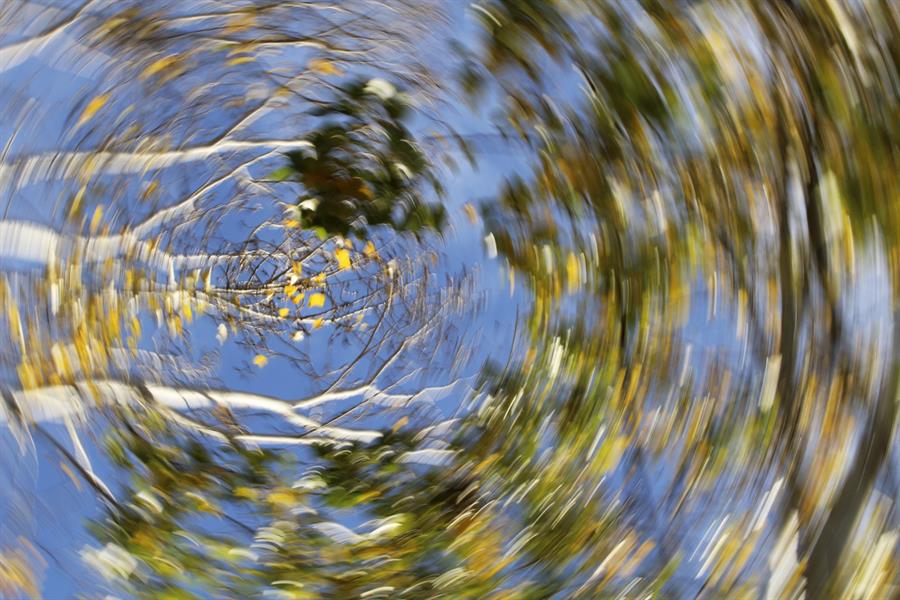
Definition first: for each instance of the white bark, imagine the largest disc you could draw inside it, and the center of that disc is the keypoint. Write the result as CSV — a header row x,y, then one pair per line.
x,y
69,165
12,55
68,402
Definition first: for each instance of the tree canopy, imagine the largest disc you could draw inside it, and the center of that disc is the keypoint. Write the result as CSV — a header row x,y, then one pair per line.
x,y
244,327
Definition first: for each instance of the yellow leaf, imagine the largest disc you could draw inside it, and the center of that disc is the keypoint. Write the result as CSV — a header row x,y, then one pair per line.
x,y
27,376
91,109
245,492
95,220
241,48
317,300
369,250
239,60
241,22
281,498
297,299
158,66
290,290
573,272
76,201
324,67
260,361
151,189
291,223
284,312
471,214
319,279
343,258
318,323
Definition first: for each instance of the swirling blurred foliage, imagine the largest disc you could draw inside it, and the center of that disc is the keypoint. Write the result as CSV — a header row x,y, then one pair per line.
x,y
703,395
754,145
285,530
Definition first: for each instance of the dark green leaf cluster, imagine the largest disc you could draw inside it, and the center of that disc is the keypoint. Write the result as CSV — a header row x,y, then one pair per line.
x,y
363,168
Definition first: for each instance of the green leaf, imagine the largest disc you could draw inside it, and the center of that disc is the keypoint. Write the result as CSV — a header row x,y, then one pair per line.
x,y
280,174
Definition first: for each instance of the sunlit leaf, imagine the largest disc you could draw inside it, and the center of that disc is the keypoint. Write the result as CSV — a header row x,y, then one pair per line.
x,y
91,109
470,213
96,218
240,60
324,67
343,258
160,65
280,174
